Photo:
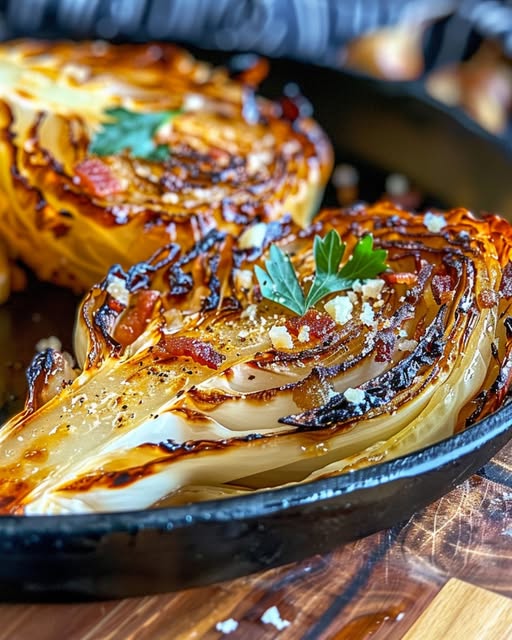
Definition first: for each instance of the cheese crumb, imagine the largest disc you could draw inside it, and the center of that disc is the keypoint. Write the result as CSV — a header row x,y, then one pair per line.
x,y
272,616
407,345
372,288
250,313
257,161
227,626
352,296
355,396
340,309
243,279
433,222
193,102
253,236
303,335
367,316
76,72
280,337
170,198
117,289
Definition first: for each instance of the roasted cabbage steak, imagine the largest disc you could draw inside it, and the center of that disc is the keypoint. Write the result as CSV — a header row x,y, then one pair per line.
x,y
192,386
108,153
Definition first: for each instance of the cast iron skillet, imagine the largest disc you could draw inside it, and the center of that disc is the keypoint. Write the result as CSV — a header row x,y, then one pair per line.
x,y
114,555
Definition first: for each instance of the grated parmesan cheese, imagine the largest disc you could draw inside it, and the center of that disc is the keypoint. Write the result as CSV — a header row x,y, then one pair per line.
x,y
117,289
407,345
243,279
433,222
372,288
253,236
76,72
227,626
355,396
340,309
303,335
250,313
170,198
193,102
367,316
280,338
257,161
352,296
272,616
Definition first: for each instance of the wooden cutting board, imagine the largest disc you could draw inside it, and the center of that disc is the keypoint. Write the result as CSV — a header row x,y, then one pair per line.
x,y
462,611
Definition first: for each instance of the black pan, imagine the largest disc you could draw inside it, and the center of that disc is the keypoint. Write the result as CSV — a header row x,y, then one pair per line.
x,y
389,128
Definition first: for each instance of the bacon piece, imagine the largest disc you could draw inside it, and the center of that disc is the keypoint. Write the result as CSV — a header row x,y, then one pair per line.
x,y
201,352
487,298
135,319
97,178
399,278
442,288
385,345
506,281
319,324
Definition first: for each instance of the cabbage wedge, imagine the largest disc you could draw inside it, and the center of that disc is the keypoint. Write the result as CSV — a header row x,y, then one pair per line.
x,y
186,391
108,153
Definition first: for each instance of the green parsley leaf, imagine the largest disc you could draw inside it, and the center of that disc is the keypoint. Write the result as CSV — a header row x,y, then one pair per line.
x,y
281,284
131,130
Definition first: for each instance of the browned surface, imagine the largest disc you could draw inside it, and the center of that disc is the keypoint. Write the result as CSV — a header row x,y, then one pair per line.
x,y
374,588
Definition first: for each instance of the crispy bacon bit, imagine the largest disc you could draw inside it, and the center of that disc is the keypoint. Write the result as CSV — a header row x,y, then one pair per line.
x,y
400,278
385,345
319,324
506,281
135,319
115,305
487,299
201,352
96,176
442,288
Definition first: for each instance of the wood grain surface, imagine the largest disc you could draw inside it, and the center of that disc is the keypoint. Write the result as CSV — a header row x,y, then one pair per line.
x,y
374,588
456,613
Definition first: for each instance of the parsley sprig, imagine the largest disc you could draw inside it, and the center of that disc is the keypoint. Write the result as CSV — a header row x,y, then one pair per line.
x,y
134,131
280,283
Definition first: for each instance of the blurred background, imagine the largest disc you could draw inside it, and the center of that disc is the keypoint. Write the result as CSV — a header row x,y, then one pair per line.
x,y
460,49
